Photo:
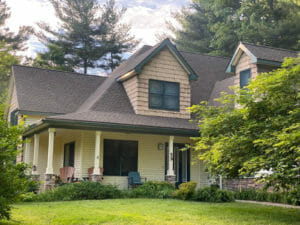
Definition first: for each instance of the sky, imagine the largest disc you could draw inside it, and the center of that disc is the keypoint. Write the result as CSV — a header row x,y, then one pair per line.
x,y
146,17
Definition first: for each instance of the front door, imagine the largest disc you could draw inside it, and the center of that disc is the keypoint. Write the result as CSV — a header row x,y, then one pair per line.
x,y
181,163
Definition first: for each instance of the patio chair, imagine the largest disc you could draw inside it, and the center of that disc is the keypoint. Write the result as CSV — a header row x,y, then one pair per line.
x,y
134,179
66,174
91,170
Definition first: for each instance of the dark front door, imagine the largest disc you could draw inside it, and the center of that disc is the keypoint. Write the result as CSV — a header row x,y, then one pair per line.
x,y
181,163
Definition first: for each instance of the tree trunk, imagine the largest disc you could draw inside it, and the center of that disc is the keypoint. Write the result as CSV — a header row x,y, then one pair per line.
x,y
85,66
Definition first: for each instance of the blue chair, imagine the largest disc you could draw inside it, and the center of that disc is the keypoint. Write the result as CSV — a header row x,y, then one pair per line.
x,y
134,179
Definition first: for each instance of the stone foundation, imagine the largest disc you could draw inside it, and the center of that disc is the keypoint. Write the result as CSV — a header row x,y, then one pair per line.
x,y
49,181
171,179
96,178
240,184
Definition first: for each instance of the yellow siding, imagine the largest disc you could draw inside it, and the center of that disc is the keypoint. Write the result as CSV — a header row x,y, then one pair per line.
x,y
164,66
13,102
31,119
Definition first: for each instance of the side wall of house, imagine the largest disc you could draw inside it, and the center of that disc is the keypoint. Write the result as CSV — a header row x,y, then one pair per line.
x,y
164,66
13,103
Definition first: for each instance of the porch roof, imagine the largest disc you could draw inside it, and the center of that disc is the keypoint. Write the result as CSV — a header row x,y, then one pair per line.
x,y
113,121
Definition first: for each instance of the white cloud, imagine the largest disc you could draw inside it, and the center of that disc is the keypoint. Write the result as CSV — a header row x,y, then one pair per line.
x,y
146,17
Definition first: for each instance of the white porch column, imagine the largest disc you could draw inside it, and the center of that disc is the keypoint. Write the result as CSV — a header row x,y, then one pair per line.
x,y
170,171
35,153
27,150
97,153
49,169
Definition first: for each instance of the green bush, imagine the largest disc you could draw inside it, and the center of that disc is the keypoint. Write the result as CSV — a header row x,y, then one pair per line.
x,y
212,194
186,190
152,189
292,197
77,191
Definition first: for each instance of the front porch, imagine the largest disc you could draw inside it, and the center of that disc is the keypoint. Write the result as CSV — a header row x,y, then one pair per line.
x,y
116,152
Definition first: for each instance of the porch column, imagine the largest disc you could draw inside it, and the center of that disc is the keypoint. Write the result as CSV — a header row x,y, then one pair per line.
x,y
49,176
170,177
36,146
27,154
97,176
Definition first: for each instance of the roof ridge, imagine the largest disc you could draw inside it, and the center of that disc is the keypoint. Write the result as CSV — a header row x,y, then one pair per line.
x,y
271,47
60,71
196,53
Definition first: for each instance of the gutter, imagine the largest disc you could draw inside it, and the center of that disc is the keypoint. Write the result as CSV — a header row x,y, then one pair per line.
x,y
74,124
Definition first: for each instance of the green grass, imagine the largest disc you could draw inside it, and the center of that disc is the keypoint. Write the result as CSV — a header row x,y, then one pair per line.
x,y
150,211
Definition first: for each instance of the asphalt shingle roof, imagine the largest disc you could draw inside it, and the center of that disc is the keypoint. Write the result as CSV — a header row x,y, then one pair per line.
x,y
50,91
269,53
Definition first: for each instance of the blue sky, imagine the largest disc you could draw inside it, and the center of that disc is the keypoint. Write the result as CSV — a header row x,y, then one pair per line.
x,y
146,17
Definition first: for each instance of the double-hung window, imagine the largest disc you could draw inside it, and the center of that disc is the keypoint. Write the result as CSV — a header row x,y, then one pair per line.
x,y
244,78
163,95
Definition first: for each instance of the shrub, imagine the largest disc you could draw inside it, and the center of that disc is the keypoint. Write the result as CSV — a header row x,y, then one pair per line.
x,y
212,194
77,191
152,189
292,197
186,190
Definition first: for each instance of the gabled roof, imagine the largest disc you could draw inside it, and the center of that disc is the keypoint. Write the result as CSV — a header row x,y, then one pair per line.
x,y
135,64
260,54
102,102
49,92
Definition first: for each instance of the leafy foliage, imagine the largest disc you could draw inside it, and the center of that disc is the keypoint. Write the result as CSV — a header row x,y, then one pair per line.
x,y
12,176
90,36
215,27
152,189
7,59
212,194
186,190
263,133
292,197
76,191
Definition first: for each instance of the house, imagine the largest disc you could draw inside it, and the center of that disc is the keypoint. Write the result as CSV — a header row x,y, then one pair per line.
x,y
136,119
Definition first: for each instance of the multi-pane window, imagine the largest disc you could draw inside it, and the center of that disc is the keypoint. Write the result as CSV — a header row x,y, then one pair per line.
x,y
163,95
120,157
69,154
244,78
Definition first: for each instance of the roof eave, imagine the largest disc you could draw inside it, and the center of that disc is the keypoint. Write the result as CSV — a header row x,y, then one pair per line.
x,y
86,125
174,51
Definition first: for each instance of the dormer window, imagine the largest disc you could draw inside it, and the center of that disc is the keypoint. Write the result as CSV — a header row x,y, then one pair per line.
x,y
163,95
245,76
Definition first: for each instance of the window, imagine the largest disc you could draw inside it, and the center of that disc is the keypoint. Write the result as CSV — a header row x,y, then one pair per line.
x,y
14,118
163,95
244,78
69,154
120,157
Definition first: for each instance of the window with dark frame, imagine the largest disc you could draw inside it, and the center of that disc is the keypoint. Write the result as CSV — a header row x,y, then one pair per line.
x,y
120,157
69,150
164,95
245,77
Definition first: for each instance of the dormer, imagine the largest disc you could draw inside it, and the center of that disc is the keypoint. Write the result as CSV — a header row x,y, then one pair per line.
x,y
158,83
250,60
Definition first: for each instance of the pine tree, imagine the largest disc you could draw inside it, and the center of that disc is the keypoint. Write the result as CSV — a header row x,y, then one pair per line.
x,y
87,35
16,41
216,27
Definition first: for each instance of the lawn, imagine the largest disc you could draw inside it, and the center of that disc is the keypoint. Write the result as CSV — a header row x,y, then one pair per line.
x,y
150,211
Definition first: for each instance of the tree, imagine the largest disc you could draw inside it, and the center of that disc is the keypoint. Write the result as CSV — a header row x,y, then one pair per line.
x,y
215,27
16,41
88,34
7,59
12,177
262,134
